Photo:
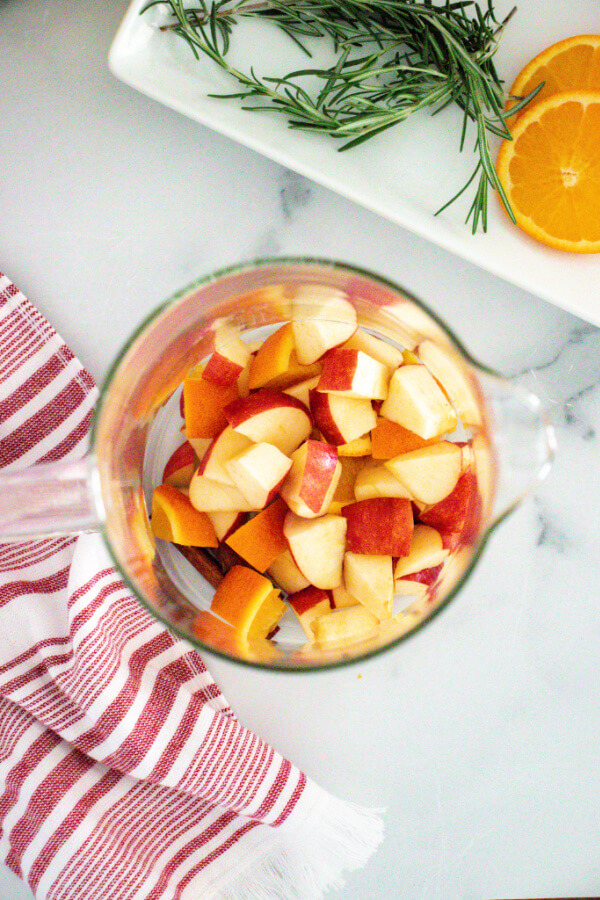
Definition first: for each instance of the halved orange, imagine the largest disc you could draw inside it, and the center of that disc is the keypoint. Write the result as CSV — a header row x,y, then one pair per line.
x,y
569,65
551,171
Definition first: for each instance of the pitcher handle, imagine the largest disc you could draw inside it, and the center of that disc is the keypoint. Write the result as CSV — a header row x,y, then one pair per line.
x,y
51,498
523,439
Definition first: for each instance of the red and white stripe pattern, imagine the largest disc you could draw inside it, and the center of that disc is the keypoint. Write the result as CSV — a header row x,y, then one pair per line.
x,y
123,772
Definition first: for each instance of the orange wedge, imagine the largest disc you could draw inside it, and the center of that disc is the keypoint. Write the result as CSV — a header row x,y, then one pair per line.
x,y
569,65
551,171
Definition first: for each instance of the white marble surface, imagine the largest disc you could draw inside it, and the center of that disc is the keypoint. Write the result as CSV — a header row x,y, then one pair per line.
x,y
481,734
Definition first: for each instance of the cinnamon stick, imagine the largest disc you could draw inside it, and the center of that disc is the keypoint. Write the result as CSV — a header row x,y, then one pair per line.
x,y
203,563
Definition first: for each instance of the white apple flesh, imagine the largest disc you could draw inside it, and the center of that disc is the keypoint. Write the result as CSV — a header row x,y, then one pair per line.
x,y
352,373
312,480
426,551
371,580
223,447
380,350
270,417
344,627
322,318
258,472
341,419
374,480
416,402
429,473
287,575
317,546
213,496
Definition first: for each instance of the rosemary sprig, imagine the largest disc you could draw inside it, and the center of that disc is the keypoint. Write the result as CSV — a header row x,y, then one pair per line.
x,y
394,57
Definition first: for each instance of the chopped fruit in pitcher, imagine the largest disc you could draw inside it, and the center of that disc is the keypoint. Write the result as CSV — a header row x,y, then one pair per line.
x,y
312,479
228,360
175,519
320,463
261,541
180,466
344,627
308,605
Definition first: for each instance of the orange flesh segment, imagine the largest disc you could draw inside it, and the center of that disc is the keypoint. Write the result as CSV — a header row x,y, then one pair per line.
x,y
175,519
260,541
551,171
388,439
203,403
571,64
240,599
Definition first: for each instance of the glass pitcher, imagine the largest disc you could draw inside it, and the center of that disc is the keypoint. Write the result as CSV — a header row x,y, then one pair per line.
x,y
137,425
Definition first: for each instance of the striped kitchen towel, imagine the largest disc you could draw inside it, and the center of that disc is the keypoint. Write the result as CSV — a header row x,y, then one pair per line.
x,y
124,774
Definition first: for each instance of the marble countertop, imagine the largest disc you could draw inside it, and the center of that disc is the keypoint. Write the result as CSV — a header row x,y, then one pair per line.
x,y
484,729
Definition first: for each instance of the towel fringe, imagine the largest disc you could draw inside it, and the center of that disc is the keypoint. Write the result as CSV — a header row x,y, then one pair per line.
x,y
340,838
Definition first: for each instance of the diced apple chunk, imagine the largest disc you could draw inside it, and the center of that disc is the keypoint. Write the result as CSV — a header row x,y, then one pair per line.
x,y
180,466
344,492
374,480
416,401
286,573
380,350
417,583
370,578
229,358
426,551
317,546
226,522
312,479
344,627
258,472
450,371
322,318
270,417
341,419
341,598
352,373
380,526
212,496
301,390
429,474
223,448
308,605
359,447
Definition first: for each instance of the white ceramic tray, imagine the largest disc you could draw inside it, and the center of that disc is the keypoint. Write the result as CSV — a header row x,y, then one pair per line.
x,y
404,174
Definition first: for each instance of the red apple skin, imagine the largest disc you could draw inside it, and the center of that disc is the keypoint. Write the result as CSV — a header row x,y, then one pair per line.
x,y
221,370
425,576
309,597
339,369
382,526
207,455
319,407
182,457
245,408
181,408
451,540
321,462
274,491
453,512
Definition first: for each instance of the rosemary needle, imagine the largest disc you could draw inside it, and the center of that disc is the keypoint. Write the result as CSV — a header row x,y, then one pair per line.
x,y
393,58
